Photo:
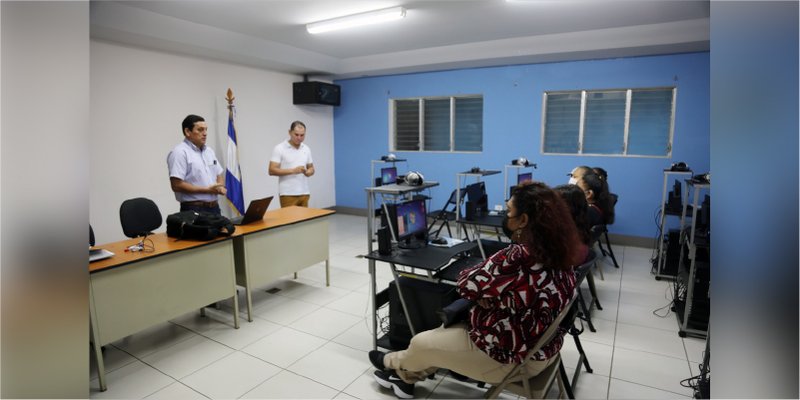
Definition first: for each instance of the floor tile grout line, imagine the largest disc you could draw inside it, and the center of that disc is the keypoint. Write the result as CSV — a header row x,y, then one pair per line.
x,y
616,322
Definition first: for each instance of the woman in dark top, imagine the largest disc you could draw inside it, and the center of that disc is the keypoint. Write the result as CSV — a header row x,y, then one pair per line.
x,y
578,207
599,204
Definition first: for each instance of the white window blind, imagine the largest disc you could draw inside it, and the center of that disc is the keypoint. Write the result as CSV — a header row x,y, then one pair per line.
x,y
623,122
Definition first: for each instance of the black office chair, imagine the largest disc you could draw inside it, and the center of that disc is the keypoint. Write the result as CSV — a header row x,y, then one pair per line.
x,y
582,272
604,231
91,235
446,214
139,217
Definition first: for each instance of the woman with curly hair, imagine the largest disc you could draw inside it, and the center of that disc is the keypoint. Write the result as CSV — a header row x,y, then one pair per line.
x,y
517,293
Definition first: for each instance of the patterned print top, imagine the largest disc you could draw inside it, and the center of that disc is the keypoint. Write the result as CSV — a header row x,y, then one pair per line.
x,y
525,297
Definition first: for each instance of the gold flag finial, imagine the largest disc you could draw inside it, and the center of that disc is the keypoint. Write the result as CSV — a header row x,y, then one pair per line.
x,y
230,97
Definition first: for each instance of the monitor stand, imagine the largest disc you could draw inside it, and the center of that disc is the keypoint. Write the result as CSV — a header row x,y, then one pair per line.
x,y
411,244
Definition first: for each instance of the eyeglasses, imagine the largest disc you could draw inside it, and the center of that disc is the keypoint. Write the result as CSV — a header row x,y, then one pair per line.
x,y
569,174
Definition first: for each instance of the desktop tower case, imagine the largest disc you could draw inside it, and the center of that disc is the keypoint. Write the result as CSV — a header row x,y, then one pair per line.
x,y
672,253
423,300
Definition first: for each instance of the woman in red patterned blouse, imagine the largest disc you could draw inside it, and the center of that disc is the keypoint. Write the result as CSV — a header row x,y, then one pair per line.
x,y
518,292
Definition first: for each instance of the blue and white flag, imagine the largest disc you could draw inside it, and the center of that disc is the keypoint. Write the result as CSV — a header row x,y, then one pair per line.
x,y
233,174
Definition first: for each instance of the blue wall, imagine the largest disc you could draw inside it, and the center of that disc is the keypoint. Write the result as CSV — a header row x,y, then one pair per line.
x,y
512,101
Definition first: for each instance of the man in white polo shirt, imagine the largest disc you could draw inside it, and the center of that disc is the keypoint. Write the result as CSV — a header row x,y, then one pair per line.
x,y
291,162
195,174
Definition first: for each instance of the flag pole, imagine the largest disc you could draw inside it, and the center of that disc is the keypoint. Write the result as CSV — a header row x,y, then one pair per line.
x,y
233,174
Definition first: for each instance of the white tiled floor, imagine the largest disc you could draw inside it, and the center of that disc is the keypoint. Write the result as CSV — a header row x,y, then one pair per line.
x,y
311,341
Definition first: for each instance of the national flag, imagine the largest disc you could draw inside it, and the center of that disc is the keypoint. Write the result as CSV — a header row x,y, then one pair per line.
x,y
233,174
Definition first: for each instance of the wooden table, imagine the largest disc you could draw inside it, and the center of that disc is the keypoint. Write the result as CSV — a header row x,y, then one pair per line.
x,y
132,291
285,241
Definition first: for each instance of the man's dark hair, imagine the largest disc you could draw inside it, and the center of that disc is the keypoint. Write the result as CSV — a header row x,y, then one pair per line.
x,y
189,121
294,125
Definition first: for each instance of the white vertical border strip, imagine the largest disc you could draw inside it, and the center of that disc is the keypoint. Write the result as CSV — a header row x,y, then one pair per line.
x,y
628,99
672,121
452,123
392,126
581,123
544,122
421,136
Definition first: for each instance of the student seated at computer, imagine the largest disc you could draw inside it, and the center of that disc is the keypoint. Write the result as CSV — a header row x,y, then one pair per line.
x,y
577,173
578,208
599,203
518,291
603,175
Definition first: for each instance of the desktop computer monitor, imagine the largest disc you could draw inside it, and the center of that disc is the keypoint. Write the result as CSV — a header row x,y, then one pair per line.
x,y
476,191
388,175
477,201
411,223
525,177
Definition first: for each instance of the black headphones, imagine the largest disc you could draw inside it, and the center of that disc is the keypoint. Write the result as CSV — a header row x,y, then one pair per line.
x,y
679,166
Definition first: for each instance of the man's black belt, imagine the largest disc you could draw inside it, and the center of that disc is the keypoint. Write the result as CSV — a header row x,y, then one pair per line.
x,y
204,204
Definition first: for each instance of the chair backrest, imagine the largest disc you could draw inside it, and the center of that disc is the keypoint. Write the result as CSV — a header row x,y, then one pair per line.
x,y
91,235
594,234
518,373
139,217
582,270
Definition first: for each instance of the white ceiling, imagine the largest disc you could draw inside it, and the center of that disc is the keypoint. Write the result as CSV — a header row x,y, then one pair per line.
x,y
435,35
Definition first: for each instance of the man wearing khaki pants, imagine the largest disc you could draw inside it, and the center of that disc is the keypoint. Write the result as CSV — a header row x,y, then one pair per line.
x,y
291,162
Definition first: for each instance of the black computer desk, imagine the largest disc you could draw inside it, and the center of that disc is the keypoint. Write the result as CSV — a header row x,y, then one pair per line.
x,y
483,219
430,259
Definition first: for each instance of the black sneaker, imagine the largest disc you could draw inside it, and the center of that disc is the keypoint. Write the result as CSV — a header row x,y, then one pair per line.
x,y
390,380
376,358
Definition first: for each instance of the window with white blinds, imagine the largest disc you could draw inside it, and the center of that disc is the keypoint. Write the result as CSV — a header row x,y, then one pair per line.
x,y
621,122
437,124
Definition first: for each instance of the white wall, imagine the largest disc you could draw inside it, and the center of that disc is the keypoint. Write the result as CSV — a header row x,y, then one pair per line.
x,y
138,100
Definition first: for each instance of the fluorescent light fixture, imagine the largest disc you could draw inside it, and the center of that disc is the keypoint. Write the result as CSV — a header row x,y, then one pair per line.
x,y
349,21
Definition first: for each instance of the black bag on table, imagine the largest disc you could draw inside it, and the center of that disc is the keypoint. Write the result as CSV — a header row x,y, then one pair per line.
x,y
196,225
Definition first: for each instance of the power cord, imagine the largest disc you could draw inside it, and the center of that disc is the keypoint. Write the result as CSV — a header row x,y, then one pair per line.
x,y
145,245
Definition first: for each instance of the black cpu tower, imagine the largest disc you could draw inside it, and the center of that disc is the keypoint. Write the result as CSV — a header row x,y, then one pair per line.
x,y
423,300
672,254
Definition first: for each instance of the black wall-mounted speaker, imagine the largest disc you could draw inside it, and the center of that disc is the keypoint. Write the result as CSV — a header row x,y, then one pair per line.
x,y
316,93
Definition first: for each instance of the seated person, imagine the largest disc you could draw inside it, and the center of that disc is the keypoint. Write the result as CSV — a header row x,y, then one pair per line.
x,y
578,207
600,172
578,173
518,292
597,198
603,175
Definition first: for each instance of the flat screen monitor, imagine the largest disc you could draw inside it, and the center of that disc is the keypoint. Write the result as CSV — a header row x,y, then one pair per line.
x,y
476,191
388,175
525,177
411,222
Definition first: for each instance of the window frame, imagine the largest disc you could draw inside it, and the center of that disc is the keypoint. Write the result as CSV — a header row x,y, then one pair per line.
x,y
421,123
581,124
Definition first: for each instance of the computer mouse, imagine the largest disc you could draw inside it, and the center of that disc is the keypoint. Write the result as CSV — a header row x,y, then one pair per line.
x,y
439,240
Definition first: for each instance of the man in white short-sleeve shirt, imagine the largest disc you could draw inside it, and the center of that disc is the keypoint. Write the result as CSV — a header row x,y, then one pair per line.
x,y
291,162
195,175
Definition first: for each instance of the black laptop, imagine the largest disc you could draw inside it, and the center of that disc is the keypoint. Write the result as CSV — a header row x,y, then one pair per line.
x,y
255,211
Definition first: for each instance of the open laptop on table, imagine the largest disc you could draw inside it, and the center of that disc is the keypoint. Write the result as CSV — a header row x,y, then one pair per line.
x,y
255,211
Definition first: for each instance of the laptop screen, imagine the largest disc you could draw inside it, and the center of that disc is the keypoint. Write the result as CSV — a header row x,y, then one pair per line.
x,y
388,175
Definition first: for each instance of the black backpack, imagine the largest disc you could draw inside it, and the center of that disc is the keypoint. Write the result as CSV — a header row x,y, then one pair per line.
x,y
198,225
